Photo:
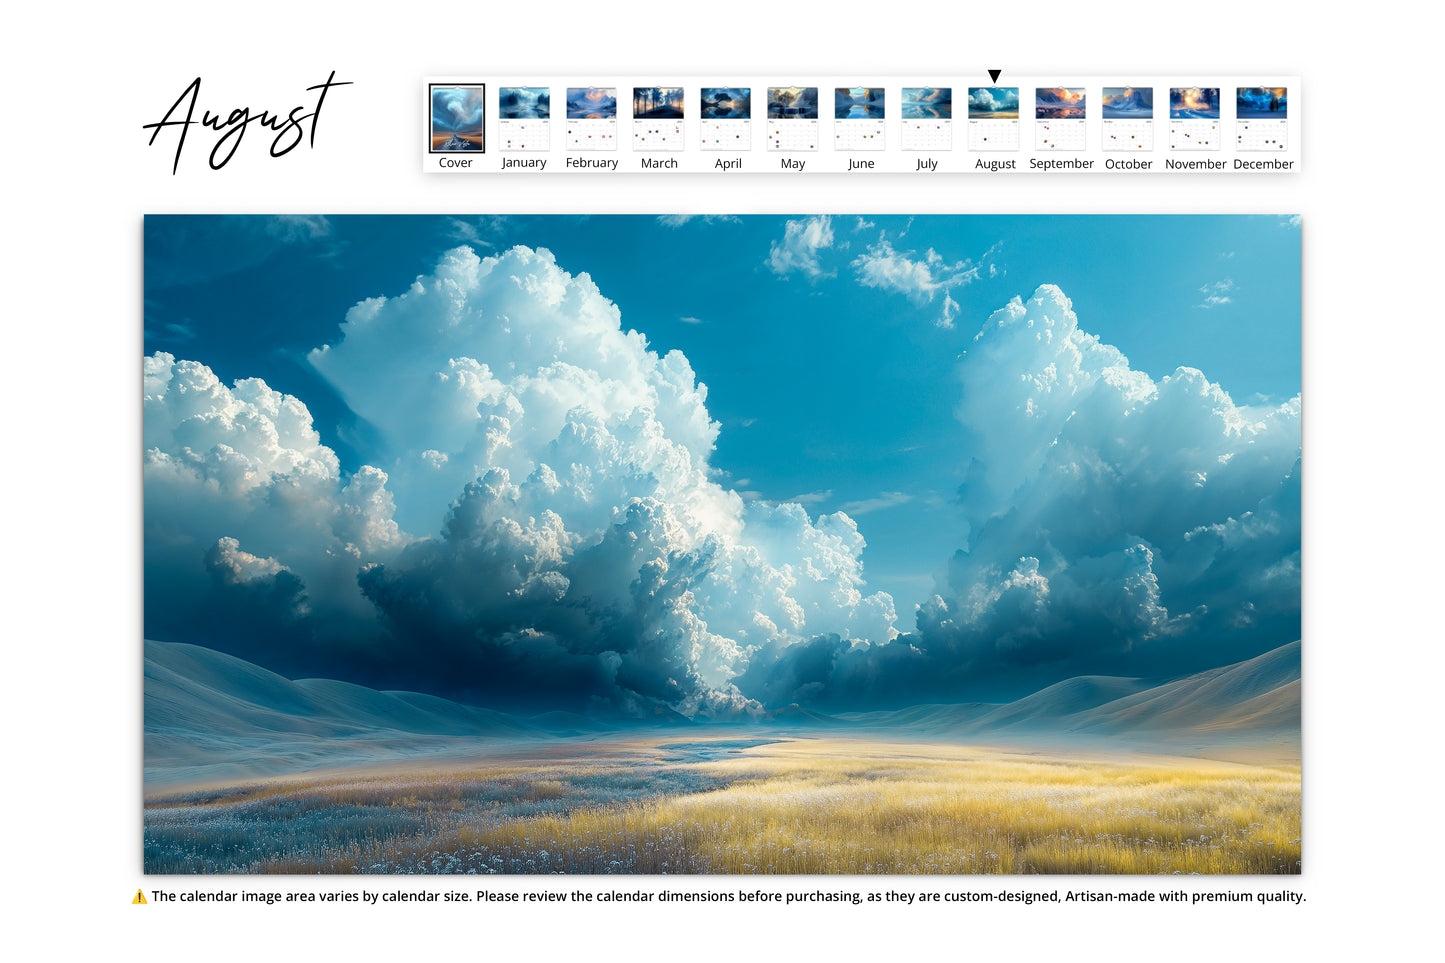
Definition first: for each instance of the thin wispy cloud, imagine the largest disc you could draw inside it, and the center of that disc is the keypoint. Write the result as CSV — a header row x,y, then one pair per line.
x,y
482,231
877,503
678,220
292,228
922,278
799,249
1216,293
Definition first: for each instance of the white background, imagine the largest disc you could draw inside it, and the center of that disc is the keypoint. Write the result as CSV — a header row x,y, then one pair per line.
x,y
80,82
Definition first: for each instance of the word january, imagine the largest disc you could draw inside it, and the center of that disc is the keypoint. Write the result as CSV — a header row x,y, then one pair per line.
x,y
290,128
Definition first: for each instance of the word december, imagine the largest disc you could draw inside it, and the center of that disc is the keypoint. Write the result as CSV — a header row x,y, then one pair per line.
x,y
290,129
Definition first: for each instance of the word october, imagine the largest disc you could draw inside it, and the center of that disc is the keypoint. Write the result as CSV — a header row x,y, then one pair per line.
x,y
232,127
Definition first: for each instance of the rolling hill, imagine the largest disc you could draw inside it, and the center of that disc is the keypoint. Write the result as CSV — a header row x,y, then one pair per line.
x,y
210,716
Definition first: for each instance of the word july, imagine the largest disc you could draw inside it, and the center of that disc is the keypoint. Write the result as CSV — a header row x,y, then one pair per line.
x,y
290,128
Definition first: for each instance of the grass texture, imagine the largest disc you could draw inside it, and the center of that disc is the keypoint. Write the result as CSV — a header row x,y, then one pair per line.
x,y
804,806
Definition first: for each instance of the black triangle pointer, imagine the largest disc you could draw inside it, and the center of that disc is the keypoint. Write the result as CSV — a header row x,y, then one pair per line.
x,y
994,74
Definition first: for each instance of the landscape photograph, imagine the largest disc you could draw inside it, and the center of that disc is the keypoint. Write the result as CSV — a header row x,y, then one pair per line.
x,y
726,103
1261,103
993,103
793,102
1059,103
927,103
1194,103
591,103
1128,103
799,545
858,103
657,103
524,103
458,117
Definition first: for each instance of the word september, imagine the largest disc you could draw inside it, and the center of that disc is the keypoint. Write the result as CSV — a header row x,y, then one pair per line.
x,y
232,127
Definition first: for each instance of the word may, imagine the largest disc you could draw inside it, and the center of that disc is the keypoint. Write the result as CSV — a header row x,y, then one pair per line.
x,y
290,129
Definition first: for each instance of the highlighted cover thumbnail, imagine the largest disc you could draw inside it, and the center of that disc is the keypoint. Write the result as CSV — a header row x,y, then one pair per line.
x,y
458,117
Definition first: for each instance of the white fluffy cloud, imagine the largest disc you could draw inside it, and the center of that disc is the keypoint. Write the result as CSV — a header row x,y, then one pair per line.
x,y
247,515
984,98
1100,474
538,510
537,518
1117,524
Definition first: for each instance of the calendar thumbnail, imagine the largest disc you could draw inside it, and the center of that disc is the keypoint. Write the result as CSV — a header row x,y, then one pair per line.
x,y
1261,103
1194,118
1128,118
1059,103
993,118
726,114
591,103
792,118
858,118
592,118
458,117
1059,119
661,103
1261,122
726,103
524,103
792,103
993,103
927,118
657,118
524,118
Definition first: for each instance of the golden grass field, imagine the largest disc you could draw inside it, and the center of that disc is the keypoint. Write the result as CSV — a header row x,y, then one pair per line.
x,y
794,806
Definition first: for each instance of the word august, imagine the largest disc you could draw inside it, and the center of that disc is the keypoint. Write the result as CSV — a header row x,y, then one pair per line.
x,y
290,128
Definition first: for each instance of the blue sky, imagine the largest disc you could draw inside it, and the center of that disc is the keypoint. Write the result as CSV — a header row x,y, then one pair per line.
x,y
718,464
827,391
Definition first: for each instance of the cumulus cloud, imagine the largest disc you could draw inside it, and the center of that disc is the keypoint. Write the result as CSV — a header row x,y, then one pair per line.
x,y
798,251
538,523
250,526
1117,524
992,99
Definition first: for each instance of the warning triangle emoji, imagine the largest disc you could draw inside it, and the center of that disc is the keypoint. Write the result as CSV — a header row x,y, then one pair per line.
x,y
994,74
139,898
